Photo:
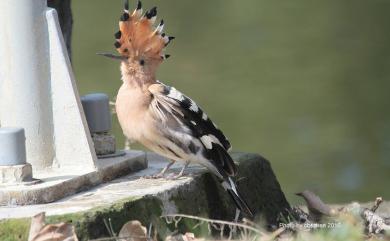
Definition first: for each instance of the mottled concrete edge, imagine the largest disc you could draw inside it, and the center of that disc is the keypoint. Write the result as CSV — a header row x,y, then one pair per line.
x,y
74,185
202,197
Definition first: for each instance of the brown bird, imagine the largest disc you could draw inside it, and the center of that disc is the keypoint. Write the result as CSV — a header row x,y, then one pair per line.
x,y
160,117
317,208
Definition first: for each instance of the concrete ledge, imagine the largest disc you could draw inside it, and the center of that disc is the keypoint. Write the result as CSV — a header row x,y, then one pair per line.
x,y
133,197
57,184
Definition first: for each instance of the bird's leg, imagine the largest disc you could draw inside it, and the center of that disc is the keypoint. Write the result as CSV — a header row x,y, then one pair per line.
x,y
163,171
180,173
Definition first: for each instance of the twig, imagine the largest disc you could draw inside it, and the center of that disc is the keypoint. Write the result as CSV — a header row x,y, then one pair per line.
x,y
276,233
374,223
150,231
109,228
245,227
117,238
377,203
247,221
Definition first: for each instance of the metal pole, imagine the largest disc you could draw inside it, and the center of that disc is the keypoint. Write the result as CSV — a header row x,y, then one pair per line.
x,y
25,98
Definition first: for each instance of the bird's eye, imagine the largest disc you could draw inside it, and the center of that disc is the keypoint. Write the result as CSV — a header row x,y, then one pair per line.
x,y
142,62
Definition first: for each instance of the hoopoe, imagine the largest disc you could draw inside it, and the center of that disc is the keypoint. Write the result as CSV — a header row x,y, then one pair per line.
x,y
159,116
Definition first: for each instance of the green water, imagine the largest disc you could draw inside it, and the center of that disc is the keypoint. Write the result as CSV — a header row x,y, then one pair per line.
x,y
304,83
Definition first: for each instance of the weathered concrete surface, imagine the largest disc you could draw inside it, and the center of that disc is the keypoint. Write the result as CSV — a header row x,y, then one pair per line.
x,y
104,143
57,184
15,174
133,197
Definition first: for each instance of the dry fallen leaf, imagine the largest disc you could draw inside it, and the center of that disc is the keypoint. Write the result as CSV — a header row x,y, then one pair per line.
x,y
133,231
37,223
51,232
189,237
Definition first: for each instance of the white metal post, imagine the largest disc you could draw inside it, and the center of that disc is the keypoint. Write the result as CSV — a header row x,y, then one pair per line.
x,y
25,76
38,92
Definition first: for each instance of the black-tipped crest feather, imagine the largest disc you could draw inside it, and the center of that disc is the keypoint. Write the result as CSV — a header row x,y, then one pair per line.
x,y
139,5
151,13
118,35
137,37
125,17
126,4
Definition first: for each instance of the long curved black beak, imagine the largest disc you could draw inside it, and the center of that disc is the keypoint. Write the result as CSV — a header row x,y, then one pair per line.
x,y
112,56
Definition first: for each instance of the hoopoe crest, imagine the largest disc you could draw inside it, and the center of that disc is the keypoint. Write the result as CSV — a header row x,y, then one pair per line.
x,y
139,41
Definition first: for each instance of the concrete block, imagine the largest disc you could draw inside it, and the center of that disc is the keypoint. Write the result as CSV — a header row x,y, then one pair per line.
x,y
134,197
61,183
15,174
104,143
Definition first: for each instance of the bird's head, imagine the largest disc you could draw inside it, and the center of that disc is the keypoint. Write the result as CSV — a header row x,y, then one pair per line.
x,y
139,44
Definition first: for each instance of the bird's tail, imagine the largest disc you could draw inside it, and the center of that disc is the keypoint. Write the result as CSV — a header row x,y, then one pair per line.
x,y
231,188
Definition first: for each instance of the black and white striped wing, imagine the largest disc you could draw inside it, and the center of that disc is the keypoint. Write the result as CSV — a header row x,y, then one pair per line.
x,y
170,104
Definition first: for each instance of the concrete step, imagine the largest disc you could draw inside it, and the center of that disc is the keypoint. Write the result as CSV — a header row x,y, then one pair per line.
x,y
134,197
54,184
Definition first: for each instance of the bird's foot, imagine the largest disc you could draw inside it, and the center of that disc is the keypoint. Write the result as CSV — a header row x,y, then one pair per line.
x,y
181,173
172,176
160,174
155,176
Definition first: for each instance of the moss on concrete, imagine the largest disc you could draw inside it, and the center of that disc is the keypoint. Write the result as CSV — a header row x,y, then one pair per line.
x,y
202,197
256,182
90,224
261,187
